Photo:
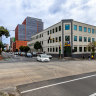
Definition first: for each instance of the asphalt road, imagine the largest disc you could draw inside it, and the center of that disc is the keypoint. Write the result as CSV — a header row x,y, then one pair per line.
x,y
77,85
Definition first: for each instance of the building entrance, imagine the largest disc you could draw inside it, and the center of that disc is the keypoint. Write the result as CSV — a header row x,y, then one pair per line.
x,y
67,51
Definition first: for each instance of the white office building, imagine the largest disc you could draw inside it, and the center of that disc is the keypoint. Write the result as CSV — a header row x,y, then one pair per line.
x,y
67,35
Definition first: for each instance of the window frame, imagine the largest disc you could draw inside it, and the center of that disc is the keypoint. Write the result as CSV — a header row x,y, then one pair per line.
x,y
67,26
80,28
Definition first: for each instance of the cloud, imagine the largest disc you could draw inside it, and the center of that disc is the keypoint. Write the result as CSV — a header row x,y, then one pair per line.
x,y
13,12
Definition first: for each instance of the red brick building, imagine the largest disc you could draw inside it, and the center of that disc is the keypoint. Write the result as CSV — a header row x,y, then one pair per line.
x,y
24,31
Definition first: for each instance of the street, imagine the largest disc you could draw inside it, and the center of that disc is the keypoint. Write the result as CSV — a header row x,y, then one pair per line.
x,y
18,70
79,85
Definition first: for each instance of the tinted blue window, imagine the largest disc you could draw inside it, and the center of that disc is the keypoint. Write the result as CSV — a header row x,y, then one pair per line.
x,y
89,30
85,39
92,31
85,29
89,39
75,27
75,38
80,38
93,39
67,27
80,28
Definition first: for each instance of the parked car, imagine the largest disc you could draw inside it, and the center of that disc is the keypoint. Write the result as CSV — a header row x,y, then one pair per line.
x,y
34,54
28,55
42,57
16,53
22,54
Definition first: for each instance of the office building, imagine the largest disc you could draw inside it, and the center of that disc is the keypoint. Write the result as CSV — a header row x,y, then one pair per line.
x,y
67,37
24,31
29,27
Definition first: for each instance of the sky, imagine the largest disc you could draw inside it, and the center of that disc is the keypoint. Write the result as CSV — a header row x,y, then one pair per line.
x,y
13,12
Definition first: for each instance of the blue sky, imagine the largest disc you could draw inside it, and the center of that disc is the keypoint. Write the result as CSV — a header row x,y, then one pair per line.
x,y
13,12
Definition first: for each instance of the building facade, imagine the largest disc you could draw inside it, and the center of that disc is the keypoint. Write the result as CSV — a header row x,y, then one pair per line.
x,y
68,38
12,40
29,27
17,44
24,31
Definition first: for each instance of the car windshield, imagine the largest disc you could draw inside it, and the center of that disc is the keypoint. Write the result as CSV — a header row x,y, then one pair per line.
x,y
44,56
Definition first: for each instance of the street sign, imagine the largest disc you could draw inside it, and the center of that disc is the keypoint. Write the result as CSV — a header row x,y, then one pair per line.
x,y
67,43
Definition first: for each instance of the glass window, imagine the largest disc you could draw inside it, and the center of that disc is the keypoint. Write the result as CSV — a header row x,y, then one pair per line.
x,y
75,49
53,40
67,38
53,30
67,27
56,49
48,40
42,42
56,39
80,49
42,35
85,49
75,38
92,31
59,38
80,38
89,49
89,39
56,29
53,49
85,39
80,28
59,28
85,29
93,39
89,30
75,27
48,32
48,49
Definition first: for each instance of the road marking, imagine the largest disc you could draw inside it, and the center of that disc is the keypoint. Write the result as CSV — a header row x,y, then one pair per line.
x,y
58,84
93,94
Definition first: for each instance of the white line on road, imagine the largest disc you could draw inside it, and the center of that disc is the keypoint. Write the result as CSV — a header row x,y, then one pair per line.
x,y
58,84
93,94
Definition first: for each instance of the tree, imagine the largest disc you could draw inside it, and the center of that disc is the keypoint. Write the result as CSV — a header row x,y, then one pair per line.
x,y
4,31
1,46
26,49
21,48
37,45
92,47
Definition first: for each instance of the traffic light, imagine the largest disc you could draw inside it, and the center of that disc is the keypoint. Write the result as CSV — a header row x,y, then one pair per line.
x,y
59,48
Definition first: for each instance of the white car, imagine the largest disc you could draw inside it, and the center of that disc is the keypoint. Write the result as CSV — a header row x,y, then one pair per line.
x,y
42,58
50,57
